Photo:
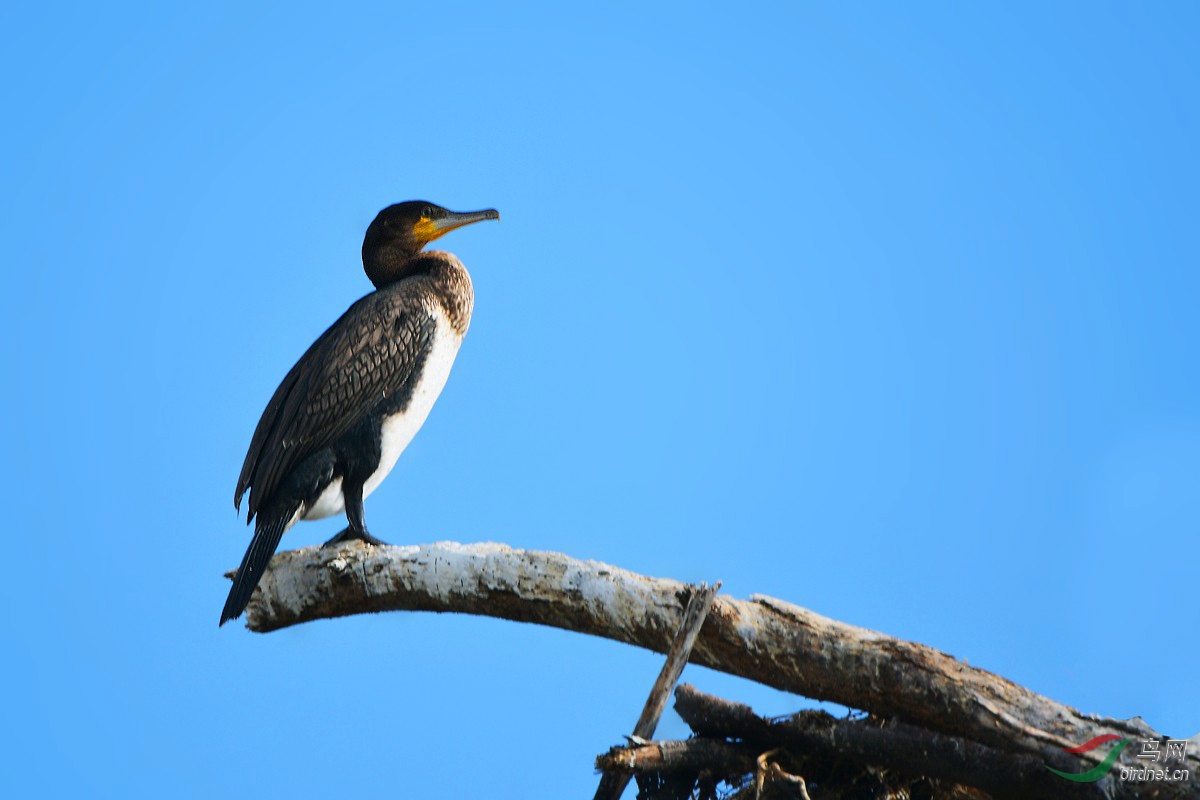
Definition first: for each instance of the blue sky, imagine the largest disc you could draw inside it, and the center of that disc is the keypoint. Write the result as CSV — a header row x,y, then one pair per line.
x,y
887,312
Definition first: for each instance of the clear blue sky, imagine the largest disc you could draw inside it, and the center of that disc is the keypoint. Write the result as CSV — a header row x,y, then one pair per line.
x,y
888,312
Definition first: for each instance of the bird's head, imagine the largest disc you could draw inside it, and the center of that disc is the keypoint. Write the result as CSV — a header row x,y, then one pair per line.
x,y
399,232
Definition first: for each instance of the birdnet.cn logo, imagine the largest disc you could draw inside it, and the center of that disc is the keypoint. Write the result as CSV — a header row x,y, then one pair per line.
x,y
1153,755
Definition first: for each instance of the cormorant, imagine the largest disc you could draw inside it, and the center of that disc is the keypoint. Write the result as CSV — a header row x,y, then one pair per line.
x,y
336,425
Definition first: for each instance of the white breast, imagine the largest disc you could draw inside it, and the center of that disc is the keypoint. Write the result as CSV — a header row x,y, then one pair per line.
x,y
399,429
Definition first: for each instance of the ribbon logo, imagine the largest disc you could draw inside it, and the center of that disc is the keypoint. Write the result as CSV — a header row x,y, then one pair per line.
x,y
1100,770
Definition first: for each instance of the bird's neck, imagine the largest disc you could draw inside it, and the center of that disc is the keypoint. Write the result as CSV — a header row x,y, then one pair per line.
x,y
453,287
442,276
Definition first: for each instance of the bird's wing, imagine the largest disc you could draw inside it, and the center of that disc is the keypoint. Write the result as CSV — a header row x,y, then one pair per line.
x,y
363,358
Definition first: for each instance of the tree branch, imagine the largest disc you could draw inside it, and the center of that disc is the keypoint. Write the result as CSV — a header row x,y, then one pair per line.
x,y
693,755
763,639
612,784
893,746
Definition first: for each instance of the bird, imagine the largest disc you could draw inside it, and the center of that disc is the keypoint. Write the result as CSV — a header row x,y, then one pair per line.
x,y
341,417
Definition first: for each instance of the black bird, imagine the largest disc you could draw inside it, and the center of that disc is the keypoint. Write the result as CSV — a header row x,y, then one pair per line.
x,y
336,425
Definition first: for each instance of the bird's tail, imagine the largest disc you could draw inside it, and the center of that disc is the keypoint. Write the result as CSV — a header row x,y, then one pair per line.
x,y
268,530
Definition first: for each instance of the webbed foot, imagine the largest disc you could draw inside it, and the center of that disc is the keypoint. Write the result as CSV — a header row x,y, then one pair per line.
x,y
350,534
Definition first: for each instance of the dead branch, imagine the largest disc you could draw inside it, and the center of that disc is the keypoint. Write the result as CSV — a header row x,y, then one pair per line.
x,y
612,784
815,739
763,639
693,755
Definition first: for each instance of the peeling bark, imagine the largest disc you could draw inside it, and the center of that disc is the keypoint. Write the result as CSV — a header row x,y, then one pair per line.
x,y
769,641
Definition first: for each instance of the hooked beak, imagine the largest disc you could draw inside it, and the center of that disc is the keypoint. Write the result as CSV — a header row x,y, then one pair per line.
x,y
457,220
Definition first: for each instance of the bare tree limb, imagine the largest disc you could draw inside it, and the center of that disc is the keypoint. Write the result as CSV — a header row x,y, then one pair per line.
x,y
698,605
763,639
613,784
893,746
692,755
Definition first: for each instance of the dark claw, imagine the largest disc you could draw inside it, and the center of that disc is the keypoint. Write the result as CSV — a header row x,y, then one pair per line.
x,y
349,535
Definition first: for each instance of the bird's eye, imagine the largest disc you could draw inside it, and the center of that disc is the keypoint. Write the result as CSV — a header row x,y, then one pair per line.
x,y
427,212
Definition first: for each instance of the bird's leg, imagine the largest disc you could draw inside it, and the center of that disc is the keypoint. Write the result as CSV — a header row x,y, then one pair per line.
x,y
354,515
